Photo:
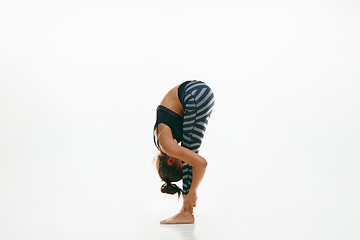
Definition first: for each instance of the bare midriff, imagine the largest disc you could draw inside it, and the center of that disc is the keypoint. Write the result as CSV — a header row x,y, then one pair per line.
x,y
172,102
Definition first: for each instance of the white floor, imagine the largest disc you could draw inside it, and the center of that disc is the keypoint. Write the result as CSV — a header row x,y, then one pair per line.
x,y
79,85
55,192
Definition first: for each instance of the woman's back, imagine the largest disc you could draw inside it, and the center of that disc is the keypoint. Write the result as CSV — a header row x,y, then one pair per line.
x,y
172,102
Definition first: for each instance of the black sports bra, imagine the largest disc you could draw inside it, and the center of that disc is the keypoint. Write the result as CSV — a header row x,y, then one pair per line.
x,y
170,118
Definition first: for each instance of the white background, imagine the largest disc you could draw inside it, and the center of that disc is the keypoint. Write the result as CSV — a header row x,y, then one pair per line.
x,y
79,85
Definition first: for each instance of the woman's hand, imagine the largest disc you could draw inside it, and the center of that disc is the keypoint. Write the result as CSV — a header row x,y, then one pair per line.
x,y
189,202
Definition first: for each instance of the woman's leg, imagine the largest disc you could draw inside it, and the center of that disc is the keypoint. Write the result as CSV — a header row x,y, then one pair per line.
x,y
199,101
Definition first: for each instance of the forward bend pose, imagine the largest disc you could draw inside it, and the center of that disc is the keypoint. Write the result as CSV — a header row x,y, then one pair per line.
x,y
182,116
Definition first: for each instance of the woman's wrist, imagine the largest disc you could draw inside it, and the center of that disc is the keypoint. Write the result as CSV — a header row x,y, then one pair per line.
x,y
191,193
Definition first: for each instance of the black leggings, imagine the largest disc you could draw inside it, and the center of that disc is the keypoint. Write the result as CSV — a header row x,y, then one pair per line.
x,y
198,104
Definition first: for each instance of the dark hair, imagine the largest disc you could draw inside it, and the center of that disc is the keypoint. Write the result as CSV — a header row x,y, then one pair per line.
x,y
168,173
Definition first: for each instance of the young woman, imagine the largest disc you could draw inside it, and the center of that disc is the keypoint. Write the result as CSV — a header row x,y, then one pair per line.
x,y
182,116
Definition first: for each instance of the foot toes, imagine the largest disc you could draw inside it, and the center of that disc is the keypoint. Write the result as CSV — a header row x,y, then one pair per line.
x,y
164,222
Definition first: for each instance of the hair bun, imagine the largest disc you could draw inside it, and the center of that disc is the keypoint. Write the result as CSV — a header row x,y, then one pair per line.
x,y
170,188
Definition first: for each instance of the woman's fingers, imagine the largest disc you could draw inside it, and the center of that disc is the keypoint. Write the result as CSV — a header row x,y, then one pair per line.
x,y
186,206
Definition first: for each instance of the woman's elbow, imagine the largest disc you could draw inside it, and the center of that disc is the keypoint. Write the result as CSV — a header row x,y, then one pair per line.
x,y
204,163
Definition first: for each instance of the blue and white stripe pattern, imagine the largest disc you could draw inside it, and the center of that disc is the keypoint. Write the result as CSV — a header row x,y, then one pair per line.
x,y
198,104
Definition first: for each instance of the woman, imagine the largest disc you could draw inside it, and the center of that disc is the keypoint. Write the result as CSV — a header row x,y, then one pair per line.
x,y
182,116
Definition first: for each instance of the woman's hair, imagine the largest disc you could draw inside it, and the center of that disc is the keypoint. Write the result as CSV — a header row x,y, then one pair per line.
x,y
168,173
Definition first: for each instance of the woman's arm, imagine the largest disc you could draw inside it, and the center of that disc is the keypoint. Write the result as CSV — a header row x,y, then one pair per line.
x,y
197,162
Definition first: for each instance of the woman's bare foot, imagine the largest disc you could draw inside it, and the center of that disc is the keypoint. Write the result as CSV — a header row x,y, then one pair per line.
x,y
183,217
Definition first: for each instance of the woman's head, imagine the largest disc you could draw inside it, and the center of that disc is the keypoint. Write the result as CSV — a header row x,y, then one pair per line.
x,y
170,170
